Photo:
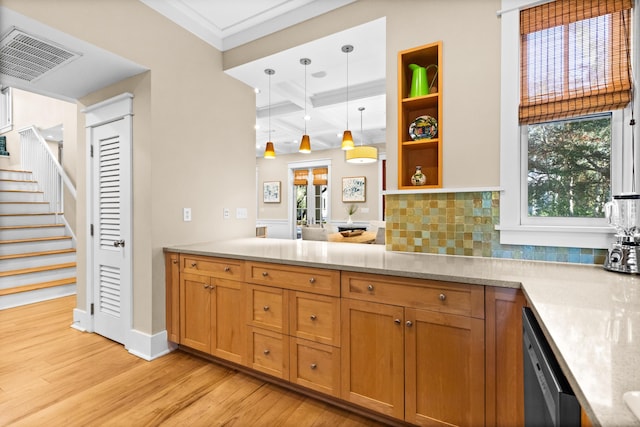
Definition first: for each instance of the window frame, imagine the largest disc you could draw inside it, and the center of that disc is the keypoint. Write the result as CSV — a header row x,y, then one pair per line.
x,y
6,109
566,233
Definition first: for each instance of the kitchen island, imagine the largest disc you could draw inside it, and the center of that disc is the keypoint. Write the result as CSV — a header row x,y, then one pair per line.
x,y
590,317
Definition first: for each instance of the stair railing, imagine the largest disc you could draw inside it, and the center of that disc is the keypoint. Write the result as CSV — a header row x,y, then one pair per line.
x,y
37,157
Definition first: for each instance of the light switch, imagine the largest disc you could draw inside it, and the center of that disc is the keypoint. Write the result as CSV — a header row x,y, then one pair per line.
x,y
226,213
241,213
186,214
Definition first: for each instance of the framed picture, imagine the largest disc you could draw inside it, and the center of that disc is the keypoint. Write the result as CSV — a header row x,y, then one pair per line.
x,y
271,192
353,189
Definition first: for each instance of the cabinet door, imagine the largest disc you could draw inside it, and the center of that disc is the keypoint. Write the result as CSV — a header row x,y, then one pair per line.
x,y
505,389
373,356
227,323
444,369
195,311
172,296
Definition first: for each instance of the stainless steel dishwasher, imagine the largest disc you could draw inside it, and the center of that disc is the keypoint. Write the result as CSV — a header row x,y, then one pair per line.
x,y
548,398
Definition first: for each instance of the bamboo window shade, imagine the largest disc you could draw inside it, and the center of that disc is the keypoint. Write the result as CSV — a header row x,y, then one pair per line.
x,y
320,176
300,177
575,59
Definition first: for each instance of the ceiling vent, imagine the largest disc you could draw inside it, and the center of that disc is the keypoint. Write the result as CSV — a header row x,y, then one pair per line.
x,y
26,57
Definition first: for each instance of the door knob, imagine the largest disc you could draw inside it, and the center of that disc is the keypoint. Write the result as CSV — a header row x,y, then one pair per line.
x,y
119,243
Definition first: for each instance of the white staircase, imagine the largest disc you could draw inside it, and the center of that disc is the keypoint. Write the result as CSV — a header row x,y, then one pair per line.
x,y
37,253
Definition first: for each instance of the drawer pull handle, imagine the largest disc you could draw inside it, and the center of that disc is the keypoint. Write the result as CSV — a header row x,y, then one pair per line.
x,y
397,321
312,280
266,352
409,323
265,274
193,264
313,366
442,297
265,308
175,261
370,287
313,317
227,269
206,286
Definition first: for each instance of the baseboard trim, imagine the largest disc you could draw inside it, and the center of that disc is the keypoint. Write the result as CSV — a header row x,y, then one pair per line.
x,y
148,347
81,321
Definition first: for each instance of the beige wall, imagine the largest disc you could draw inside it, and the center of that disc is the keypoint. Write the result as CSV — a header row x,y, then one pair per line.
x,y
193,136
470,34
277,170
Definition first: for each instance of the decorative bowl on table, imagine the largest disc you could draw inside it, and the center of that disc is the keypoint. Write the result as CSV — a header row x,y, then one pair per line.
x,y
351,233
423,127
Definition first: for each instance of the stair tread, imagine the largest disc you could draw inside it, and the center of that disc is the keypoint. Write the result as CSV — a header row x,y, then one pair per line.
x,y
37,269
16,227
14,170
31,214
17,180
5,203
22,191
36,254
35,239
36,286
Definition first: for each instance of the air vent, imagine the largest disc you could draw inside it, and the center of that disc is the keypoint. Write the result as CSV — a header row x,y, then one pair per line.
x,y
26,57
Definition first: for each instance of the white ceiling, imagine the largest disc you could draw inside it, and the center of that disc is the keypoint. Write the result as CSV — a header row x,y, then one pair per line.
x,y
228,23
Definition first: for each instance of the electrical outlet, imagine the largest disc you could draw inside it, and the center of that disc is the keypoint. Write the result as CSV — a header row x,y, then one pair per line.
x,y
364,210
226,213
186,214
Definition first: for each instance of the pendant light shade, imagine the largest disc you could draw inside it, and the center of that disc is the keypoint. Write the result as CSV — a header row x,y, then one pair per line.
x,y
362,153
347,139
269,150
305,143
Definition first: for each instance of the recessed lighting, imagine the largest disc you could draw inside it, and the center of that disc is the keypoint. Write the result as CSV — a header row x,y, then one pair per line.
x,y
256,90
256,126
307,117
319,74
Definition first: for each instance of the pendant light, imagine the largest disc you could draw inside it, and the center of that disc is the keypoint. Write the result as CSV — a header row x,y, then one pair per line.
x,y
269,151
347,139
362,153
305,144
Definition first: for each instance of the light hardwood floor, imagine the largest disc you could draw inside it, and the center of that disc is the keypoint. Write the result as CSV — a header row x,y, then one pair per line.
x,y
53,375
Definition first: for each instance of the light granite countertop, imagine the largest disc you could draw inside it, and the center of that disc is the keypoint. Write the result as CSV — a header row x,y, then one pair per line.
x,y
591,317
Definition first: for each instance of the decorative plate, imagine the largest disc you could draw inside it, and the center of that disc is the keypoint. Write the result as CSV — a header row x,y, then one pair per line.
x,y
423,127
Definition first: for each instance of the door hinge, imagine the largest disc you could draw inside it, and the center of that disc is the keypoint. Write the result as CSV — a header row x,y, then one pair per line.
x,y
91,229
91,150
92,309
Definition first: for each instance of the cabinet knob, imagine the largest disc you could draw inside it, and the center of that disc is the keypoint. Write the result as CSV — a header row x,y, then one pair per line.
x,y
265,308
313,366
227,269
442,297
397,321
205,286
370,287
175,261
409,323
193,264
312,280
266,351
313,317
265,274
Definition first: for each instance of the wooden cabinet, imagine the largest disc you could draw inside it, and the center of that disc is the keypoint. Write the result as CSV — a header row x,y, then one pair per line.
x,y
293,318
426,152
504,363
209,308
428,358
172,296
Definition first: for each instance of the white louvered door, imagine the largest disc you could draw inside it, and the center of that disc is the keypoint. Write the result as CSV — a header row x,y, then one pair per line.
x,y
111,181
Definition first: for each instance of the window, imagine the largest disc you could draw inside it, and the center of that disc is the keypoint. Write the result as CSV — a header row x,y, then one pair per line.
x,y
6,121
309,200
566,91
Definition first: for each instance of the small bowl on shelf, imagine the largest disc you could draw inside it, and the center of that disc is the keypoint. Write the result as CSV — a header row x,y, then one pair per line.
x,y
423,127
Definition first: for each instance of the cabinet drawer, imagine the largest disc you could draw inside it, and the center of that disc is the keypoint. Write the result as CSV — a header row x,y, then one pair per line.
x,y
315,366
216,267
268,352
267,308
307,279
315,317
445,297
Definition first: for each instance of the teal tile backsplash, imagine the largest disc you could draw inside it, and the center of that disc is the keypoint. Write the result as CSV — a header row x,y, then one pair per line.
x,y
464,224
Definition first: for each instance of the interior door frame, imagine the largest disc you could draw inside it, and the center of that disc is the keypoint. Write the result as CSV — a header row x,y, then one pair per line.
x,y
116,108
291,202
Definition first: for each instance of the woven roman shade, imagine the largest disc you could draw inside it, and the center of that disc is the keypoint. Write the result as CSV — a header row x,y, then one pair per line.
x,y
320,176
575,59
300,177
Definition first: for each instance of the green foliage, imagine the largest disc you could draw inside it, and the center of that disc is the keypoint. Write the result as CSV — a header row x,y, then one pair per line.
x,y
569,167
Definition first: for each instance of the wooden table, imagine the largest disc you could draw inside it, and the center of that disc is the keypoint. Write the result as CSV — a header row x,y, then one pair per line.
x,y
365,237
